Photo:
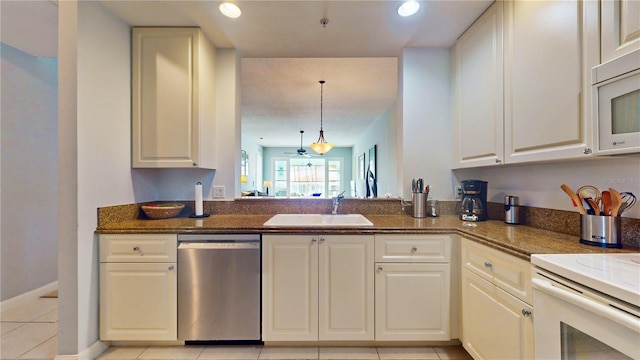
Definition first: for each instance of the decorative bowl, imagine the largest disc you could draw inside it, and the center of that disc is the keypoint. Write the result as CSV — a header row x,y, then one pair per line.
x,y
162,210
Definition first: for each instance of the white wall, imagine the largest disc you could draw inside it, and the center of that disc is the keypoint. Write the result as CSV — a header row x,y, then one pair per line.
x,y
94,155
383,133
426,139
29,134
227,138
539,185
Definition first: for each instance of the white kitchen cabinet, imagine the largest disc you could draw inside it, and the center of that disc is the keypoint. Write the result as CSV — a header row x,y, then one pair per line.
x,y
173,98
522,83
317,287
497,316
550,48
619,28
412,294
477,112
138,287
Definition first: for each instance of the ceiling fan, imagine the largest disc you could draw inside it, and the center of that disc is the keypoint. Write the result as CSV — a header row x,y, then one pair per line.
x,y
301,151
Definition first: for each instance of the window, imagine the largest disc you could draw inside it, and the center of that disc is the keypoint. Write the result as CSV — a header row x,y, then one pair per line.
x,y
307,177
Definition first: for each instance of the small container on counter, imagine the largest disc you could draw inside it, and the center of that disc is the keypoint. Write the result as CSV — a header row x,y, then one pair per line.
x,y
511,210
419,201
603,231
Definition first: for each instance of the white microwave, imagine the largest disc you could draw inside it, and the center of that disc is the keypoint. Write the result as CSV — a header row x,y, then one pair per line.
x,y
616,101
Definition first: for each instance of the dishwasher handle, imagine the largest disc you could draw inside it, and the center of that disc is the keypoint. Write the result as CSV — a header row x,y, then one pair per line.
x,y
219,245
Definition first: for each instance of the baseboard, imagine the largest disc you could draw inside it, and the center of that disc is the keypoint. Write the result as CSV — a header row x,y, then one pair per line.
x,y
89,353
28,296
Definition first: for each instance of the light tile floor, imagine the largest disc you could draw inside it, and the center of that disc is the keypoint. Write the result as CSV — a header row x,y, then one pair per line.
x,y
30,332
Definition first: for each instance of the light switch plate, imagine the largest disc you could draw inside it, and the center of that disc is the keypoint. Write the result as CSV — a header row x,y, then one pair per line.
x,y
218,191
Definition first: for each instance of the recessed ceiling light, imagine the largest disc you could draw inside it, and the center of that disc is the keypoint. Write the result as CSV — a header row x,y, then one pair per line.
x,y
408,8
230,10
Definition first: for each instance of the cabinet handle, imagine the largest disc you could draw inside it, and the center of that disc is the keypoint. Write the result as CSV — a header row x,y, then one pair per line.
x,y
498,161
194,164
586,151
414,249
313,240
136,248
488,265
526,312
321,239
171,267
379,268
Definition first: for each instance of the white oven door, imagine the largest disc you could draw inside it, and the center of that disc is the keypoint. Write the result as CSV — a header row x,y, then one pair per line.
x,y
575,323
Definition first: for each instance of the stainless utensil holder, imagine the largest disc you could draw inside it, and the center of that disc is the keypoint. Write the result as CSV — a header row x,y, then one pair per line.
x,y
603,231
419,201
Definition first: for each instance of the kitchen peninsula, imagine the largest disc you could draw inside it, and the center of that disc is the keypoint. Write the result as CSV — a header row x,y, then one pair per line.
x,y
449,257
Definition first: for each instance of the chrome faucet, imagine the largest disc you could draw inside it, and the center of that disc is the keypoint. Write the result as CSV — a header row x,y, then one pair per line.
x,y
336,203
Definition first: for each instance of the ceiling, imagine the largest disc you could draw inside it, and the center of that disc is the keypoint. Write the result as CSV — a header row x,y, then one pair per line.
x,y
286,51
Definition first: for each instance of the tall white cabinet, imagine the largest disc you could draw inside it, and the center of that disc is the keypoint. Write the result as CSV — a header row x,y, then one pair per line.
x,y
477,129
550,48
317,287
521,76
173,98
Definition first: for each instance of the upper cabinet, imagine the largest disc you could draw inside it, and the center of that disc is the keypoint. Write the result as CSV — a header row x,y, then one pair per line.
x,y
550,48
477,126
521,80
173,105
620,32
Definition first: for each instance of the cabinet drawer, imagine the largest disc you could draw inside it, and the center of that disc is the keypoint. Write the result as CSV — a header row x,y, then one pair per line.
x,y
138,248
413,248
510,273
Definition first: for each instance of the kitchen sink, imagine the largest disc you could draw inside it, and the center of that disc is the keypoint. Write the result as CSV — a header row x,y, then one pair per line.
x,y
318,220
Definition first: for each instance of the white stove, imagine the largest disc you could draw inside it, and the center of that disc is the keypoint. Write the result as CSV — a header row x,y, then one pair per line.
x,y
586,306
617,275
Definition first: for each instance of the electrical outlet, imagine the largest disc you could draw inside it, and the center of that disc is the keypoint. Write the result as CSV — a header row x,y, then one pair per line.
x,y
218,191
458,193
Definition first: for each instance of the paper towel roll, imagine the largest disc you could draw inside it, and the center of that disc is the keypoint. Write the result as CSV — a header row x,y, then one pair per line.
x,y
199,199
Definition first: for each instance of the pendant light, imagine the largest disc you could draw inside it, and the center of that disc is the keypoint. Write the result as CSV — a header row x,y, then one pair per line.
x,y
321,146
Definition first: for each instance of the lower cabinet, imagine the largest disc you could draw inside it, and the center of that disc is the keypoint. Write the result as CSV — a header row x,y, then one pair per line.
x,y
496,322
413,287
412,301
317,287
138,287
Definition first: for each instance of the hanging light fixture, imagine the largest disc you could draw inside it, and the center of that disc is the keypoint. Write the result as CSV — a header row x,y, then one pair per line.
x,y
321,146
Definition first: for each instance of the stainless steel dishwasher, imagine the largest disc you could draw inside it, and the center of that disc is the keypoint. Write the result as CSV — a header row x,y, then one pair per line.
x,y
219,287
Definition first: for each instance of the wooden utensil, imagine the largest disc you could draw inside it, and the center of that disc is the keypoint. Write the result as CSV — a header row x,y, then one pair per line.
x,y
606,203
576,199
616,201
593,205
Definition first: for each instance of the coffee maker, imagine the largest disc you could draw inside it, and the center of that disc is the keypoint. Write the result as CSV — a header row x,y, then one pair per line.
x,y
474,200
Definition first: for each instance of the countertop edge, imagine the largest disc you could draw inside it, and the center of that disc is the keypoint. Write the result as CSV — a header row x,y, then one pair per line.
x,y
520,241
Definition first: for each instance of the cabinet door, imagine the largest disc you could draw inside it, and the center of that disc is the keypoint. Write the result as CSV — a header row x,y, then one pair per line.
x,y
138,301
289,288
549,53
346,287
412,301
477,126
167,115
620,27
495,325
506,271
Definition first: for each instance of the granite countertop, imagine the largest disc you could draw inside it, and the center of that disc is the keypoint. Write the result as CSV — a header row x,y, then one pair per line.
x,y
517,240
